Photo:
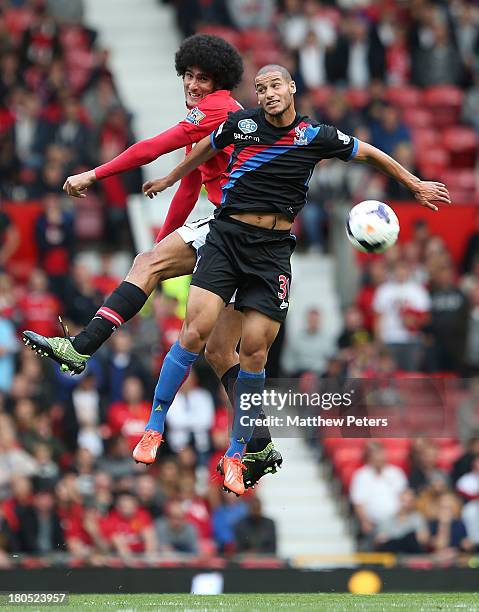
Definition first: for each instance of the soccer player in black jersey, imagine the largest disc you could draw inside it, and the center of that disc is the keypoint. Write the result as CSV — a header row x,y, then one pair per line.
x,y
249,245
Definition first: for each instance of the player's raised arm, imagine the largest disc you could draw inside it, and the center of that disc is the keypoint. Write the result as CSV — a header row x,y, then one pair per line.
x,y
137,155
201,153
426,192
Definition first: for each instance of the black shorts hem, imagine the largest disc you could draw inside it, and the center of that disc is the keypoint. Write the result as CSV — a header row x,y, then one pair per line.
x,y
208,287
276,317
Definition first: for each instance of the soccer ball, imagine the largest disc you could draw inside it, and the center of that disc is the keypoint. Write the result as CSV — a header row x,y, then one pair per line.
x,y
372,226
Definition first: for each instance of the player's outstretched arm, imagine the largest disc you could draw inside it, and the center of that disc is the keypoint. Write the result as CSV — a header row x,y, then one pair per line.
x,y
200,154
137,155
426,192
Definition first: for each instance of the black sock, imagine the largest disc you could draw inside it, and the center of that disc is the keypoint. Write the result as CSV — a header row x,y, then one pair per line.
x,y
123,304
261,434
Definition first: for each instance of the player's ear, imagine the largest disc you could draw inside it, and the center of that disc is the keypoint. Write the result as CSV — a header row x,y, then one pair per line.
x,y
292,87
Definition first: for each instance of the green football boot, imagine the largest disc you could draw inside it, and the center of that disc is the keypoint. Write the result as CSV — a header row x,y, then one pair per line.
x,y
60,350
257,465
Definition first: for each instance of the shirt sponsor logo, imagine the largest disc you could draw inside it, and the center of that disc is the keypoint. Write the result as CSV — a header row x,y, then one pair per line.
x,y
247,126
195,116
245,137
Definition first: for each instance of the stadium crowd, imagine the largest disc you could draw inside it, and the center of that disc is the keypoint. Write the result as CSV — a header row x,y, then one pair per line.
x,y
67,481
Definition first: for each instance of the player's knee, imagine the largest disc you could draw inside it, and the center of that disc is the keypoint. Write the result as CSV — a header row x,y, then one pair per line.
x,y
193,337
218,358
149,263
253,357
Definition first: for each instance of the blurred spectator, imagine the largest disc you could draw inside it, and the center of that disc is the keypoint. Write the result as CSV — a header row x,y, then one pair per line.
x,y
39,307
468,415
255,533
86,415
191,418
401,306
196,510
471,353
248,14
8,540
9,237
54,233
389,132
299,18
82,300
448,533
465,18
14,461
225,517
406,531
8,348
404,154
174,533
106,281
310,348
358,55
470,518
354,330
448,322
440,63
40,530
375,489
471,103
47,472
468,484
471,252
149,497
123,362
117,459
464,463
424,468
375,275
129,528
129,417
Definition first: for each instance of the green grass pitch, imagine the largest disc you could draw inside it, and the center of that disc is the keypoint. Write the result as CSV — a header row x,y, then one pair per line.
x,y
465,602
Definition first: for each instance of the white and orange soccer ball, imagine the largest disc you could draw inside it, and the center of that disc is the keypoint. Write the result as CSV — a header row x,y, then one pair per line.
x,y
372,226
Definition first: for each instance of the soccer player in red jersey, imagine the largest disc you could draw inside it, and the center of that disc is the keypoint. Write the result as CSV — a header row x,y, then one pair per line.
x,y
210,68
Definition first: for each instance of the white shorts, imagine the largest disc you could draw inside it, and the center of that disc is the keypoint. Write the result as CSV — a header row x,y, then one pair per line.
x,y
194,234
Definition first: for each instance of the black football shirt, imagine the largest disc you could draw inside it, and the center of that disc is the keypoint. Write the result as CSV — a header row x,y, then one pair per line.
x,y
270,167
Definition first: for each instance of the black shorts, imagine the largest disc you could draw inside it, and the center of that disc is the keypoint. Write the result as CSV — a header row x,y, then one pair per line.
x,y
252,260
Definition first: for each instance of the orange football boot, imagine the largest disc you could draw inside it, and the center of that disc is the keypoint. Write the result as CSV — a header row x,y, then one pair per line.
x,y
232,469
146,449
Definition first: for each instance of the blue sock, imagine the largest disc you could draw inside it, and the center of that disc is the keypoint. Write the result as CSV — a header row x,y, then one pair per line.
x,y
245,411
175,369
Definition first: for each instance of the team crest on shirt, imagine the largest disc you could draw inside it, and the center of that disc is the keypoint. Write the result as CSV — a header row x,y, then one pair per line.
x,y
195,116
247,126
300,138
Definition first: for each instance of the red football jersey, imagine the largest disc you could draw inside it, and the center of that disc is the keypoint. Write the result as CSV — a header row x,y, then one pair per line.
x,y
211,111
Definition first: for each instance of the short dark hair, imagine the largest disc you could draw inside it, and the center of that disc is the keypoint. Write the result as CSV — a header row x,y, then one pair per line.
x,y
276,68
213,56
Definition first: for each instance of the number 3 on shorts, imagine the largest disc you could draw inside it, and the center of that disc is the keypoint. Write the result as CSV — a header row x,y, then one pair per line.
x,y
283,286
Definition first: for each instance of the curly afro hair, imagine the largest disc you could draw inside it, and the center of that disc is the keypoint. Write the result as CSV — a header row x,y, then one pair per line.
x,y
212,55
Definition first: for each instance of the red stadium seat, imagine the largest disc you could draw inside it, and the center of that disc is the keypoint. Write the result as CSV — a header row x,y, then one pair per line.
x,y
425,138
267,55
417,117
357,98
230,35
254,39
448,455
432,162
321,96
464,179
404,97
345,455
462,143
445,101
443,95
